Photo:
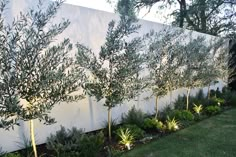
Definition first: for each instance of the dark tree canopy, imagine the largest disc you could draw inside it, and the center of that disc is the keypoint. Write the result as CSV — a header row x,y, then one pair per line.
x,y
215,17
232,64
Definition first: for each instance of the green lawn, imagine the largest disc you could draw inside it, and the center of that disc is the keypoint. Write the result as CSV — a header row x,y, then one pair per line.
x,y
213,137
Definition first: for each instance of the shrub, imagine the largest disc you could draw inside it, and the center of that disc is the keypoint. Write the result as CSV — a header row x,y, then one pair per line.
x,y
225,89
75,143
11,155
113,152
137,132
217,101
200,95
212,93
199,98
153,123
126,137
165,112
134,116
90,145
25,146
218,93
182,115
65,142
172,124
230,97
180,102
232,100
212,110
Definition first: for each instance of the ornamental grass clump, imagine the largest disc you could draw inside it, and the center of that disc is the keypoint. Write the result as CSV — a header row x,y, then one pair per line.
x,y
126,137
197,109
172,124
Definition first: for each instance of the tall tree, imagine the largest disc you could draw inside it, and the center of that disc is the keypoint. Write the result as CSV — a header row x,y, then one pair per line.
x,y
163,61
215,17
232,64
193,71
35,72
114,72
217,64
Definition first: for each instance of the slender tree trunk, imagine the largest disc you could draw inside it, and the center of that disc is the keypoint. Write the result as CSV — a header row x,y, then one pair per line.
x,y
182,13
156,107
170,96
188,94
109,123
203,15
32,137
170,91
208,92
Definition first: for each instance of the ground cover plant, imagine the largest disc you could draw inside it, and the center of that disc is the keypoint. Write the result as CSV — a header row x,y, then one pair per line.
x,y
212,137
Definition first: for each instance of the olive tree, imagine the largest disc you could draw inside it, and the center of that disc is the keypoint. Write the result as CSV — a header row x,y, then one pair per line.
x,y
163,61
35,71
217,64
114,72
195,62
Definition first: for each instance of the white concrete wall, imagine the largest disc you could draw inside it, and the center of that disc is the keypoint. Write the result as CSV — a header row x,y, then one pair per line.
x,y
89,27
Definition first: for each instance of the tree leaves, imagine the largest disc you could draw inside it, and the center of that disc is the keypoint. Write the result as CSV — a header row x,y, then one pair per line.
x,y
114,72
34,68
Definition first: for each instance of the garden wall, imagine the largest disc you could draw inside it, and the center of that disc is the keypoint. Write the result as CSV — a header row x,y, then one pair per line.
x,y
89,27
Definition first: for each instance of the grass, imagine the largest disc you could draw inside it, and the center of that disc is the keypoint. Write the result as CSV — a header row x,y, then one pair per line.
x,y
213,137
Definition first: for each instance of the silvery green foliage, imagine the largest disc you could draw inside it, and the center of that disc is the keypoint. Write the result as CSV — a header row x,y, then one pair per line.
x,y
223,60
75,143
164,60
33,67
196,55
114,72
217,65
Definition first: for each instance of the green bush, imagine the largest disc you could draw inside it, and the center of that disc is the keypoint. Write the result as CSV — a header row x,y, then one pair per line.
x,y
25,146
217,93
182,115
217,101
153,123
113,152
137,132
11,155
199,98
232,100
90,145
200,95
75,143
134,116
230,97
212,93
225,89
212,110
180,102
163,114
